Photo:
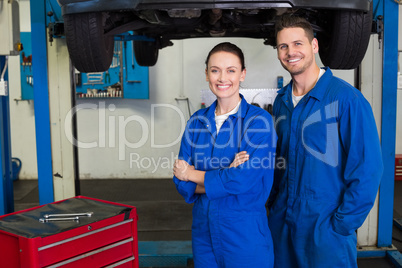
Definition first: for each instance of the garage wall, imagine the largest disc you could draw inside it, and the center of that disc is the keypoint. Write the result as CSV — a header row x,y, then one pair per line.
x,y
140,138
22,125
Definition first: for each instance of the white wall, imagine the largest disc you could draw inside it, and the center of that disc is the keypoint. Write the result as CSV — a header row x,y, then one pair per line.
x,y
112,127
398,147
22,125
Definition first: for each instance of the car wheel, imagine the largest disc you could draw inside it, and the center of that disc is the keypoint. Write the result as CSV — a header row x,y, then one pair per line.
x,y
146,53
89,48
346,44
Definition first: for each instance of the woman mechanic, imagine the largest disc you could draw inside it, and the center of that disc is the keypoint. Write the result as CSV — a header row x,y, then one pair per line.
x,y
225,169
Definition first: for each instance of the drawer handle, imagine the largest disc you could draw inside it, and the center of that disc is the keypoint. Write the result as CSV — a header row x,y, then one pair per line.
x,y
91,253
84,235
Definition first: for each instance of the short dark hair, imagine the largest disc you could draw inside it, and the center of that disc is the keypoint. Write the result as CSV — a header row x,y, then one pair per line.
x,y
293,21
227,47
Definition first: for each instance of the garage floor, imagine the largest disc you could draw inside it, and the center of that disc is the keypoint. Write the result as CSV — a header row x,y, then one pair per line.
x,y
163,215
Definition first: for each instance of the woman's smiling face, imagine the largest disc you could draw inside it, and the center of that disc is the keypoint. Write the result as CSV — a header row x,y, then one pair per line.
x,y
224,74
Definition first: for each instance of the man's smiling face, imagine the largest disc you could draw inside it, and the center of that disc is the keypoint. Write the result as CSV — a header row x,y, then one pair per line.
x,y
295,51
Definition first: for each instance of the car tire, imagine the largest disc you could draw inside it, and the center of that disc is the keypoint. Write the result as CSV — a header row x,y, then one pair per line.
x,y
347,43
146,53
89,48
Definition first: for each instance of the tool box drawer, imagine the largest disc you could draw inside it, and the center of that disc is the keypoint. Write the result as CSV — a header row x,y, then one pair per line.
x,y
398,167
126,263
104,234
102,257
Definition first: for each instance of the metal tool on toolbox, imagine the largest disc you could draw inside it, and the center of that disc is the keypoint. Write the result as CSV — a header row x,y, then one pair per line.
x,y
64,217
77,219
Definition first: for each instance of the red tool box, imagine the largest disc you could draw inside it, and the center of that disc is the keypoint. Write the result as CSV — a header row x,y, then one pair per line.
x,y
398,167
76,232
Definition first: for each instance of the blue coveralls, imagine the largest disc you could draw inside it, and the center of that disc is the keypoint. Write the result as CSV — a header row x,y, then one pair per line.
x,y
230,226
329,167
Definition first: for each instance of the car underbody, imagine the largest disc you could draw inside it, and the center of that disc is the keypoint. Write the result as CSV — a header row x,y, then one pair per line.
x,y
163,21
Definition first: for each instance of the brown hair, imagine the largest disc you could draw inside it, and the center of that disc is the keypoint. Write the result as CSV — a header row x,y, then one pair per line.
x,y
291,21
227,47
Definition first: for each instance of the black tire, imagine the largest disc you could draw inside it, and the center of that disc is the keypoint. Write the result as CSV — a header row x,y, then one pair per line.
x,y
346,44
146,53
89,48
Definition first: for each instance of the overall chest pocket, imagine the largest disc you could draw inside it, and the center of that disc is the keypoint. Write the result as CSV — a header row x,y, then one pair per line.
x,y
320,138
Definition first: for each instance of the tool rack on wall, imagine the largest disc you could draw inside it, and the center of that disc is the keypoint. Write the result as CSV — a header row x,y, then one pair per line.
x,y
124,79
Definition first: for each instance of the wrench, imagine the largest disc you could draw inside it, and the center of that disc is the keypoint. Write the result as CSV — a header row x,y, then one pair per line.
x,y
86,214
76,219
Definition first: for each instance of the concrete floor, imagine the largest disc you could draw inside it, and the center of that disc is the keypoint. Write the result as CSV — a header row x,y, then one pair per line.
x,y
163,215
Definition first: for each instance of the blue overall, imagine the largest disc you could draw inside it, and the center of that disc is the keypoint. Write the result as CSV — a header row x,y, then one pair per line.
x,y
328,172
230,225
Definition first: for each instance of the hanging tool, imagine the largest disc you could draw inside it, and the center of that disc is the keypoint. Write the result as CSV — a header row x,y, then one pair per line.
x,y
50,27
132,57
107,77
24,60
188,103
380,29
30,62
94,78
125,59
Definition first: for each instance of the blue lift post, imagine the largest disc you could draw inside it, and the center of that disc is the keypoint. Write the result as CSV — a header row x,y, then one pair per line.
x,y
41,101
6,184
388,128
388,121
388,10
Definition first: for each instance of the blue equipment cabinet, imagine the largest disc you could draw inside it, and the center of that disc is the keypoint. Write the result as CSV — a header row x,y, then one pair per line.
x,y
124,79
27,92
